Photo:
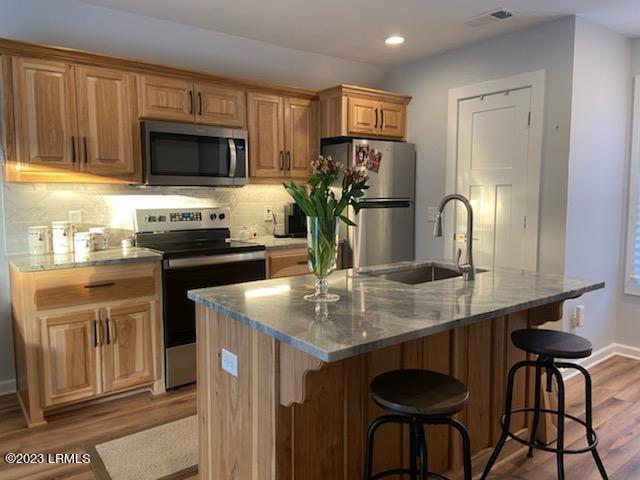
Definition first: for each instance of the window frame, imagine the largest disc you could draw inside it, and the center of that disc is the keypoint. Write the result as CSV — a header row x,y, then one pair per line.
x,y
632,286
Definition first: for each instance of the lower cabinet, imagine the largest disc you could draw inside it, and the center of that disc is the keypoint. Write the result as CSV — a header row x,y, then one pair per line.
x,y
127,358
80,335
70,357
290,262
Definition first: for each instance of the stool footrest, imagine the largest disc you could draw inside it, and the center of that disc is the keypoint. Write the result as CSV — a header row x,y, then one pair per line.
x,y
591,433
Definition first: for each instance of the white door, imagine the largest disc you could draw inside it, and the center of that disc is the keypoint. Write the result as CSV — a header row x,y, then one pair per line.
x,y
493,146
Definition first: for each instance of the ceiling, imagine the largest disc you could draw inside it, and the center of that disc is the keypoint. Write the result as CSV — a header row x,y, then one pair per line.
x,y
356,29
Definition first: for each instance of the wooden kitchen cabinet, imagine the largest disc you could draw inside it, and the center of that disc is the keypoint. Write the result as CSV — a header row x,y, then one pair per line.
x,y
45,115
103,338
127,346
266,135
108,136
183,100
290,262
165,98
282,136
70,358
73,123
301,136
218,105
350,110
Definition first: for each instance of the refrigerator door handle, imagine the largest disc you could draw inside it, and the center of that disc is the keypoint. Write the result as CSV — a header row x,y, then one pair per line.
x,y
387,203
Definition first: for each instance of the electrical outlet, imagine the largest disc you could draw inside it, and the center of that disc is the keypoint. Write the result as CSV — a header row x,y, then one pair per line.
x,y
75,216
229,362
432,214
268,213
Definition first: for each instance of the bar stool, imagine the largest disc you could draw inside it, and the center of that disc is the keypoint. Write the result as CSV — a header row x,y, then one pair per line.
x,y
548,345
417,398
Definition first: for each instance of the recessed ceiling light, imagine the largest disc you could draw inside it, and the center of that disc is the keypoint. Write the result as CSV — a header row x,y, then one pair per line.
x,y
394,40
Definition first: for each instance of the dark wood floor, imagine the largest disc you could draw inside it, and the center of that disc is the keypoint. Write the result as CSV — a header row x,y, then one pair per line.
x,y
616,412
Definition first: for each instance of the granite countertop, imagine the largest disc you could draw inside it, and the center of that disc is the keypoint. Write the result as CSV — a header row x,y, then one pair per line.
x,y
35,263
373,313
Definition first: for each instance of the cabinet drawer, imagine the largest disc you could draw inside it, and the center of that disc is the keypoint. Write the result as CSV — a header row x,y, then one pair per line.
x,y
69,287
289,263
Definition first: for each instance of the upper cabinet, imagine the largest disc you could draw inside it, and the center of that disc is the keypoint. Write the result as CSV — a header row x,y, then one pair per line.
x,y
168,98
348,110
73,123
283,136
107,127
45,115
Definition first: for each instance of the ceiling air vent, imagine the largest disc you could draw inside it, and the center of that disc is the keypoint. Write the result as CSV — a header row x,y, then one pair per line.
x,y
491,17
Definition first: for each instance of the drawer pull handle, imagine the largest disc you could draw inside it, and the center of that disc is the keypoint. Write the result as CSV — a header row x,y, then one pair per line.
x,y
100,285
303,262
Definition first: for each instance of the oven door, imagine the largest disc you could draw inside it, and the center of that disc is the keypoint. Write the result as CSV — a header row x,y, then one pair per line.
x,y
188,154
184,274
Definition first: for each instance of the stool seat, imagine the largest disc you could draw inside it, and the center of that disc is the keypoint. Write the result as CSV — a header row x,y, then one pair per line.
x,y
419,392
552,343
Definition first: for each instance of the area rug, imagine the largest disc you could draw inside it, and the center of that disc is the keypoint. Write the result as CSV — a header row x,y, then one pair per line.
x,y
165,452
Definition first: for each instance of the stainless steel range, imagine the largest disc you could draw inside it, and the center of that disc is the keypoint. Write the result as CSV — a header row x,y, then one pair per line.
x,y
196,253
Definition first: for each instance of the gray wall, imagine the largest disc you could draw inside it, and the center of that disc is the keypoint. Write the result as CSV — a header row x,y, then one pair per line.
x,y
77,25
597,162
628,328
548,47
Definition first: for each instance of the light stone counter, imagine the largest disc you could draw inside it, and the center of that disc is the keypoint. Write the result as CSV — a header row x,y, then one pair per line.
x,y
373,313
35,263
273,243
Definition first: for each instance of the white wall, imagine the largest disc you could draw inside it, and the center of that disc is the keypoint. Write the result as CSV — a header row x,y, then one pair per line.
x,y
73,24
77,25
597,162
628,328
548,47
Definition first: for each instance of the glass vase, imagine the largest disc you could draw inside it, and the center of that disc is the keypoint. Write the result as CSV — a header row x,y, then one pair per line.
x,y
322,240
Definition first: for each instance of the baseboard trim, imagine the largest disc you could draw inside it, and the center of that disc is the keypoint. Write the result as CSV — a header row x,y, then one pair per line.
x,y
7,387
603,355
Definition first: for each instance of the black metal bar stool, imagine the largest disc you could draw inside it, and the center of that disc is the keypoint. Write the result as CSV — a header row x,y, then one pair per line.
x,y
417,398
548,345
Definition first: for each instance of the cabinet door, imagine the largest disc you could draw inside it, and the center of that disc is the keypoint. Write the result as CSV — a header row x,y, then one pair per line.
x,y
45,115
127,346
288,263
70,352
217,105
107,120
166,98
301,136
392,119
362,116
266,135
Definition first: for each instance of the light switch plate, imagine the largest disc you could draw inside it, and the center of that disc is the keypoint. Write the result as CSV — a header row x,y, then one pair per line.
x,y
229,362
432,214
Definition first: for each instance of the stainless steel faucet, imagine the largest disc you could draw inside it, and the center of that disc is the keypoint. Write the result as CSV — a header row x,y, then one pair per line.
x,y
468,269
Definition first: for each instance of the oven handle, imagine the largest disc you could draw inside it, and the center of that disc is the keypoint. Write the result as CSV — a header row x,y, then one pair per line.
x,y
205,260
233,155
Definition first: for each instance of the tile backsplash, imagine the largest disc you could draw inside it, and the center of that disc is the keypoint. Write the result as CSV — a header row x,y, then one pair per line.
x,y
28,204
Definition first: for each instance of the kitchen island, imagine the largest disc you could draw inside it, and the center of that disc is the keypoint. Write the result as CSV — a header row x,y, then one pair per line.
x,y
292,398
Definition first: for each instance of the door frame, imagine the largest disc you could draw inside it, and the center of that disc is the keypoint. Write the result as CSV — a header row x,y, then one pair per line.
x,y
536,81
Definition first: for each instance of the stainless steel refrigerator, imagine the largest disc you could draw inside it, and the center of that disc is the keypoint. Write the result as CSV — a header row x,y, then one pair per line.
x,y
386,222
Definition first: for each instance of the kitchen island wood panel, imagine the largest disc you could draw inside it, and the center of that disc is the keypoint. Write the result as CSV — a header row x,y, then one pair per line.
x,y
291,416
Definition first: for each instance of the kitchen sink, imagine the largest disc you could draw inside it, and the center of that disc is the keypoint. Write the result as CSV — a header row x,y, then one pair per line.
x,y
420,274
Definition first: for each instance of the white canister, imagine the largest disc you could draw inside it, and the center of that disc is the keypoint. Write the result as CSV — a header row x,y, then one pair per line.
x,y
39,240
83,242
101,237
63,236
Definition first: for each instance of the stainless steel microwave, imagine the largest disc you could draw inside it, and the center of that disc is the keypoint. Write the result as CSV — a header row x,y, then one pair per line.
x,y
186,154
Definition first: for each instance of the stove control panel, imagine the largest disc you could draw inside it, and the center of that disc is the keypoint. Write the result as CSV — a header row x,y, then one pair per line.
x,y
168,219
